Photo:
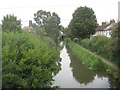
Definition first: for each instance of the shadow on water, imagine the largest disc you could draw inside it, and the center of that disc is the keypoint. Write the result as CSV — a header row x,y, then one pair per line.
x,y
74,74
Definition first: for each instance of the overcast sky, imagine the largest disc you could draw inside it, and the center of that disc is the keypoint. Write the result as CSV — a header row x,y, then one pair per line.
x,y
25,9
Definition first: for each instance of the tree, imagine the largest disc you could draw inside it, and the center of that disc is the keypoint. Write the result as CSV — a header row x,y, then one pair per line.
x,y
28,61
30,23
50,22
115,43
42,17
11,24
83,23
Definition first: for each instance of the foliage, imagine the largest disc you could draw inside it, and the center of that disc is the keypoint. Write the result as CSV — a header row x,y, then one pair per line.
x,y
67,32
40,32
115,43
28,61
100,45
83,23
114,73
11,24
86,43
49,21
106,47
0,47
92,61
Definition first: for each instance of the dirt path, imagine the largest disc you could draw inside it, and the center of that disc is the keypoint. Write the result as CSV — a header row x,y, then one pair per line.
x,y
109,63
113,66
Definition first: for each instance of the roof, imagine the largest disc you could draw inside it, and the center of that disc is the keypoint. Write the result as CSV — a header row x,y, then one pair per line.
x,y
110,26
102,27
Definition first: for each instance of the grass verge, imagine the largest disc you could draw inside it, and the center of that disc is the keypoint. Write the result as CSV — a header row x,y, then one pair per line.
x,y
91,60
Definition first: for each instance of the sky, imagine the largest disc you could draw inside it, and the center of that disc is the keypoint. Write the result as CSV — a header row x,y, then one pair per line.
x,y
25,9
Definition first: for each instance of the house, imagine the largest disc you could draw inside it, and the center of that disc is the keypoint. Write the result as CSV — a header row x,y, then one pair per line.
x,y
105,29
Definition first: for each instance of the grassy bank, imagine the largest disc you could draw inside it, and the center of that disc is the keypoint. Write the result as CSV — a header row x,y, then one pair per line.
x,y
91,60
103,47
28,61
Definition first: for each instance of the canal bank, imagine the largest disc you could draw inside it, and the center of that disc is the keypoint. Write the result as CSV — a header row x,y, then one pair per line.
x,y
74,74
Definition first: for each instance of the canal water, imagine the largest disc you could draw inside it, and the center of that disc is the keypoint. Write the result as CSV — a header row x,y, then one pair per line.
x,y
74,74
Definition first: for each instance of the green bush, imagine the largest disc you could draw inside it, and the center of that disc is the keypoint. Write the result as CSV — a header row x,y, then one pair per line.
x,y
115,43
100,45
28,62
86,43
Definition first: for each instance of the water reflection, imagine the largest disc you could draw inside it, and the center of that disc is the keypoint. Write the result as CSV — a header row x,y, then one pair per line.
x,y
87,77
80,72
74,74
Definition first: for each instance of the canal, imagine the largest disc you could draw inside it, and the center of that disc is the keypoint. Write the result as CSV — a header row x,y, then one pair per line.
x,y
74,74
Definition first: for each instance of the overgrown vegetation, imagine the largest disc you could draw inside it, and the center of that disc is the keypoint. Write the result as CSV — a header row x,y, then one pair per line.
x,y
103,46
31,59
115,43
100,45
0,57
89,59
28,61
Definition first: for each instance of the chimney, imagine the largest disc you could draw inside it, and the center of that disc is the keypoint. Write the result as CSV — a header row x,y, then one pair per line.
x,y
103,23
112,21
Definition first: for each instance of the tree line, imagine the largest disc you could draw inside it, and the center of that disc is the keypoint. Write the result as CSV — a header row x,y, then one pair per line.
x,y
81,26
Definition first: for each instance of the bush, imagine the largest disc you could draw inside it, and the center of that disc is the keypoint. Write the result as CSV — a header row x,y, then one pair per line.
x,y
115,43
28,62
86,43
100,45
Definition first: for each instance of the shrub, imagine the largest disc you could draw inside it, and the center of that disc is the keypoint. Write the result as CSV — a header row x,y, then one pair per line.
x,y
86,43
100,45
28,62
